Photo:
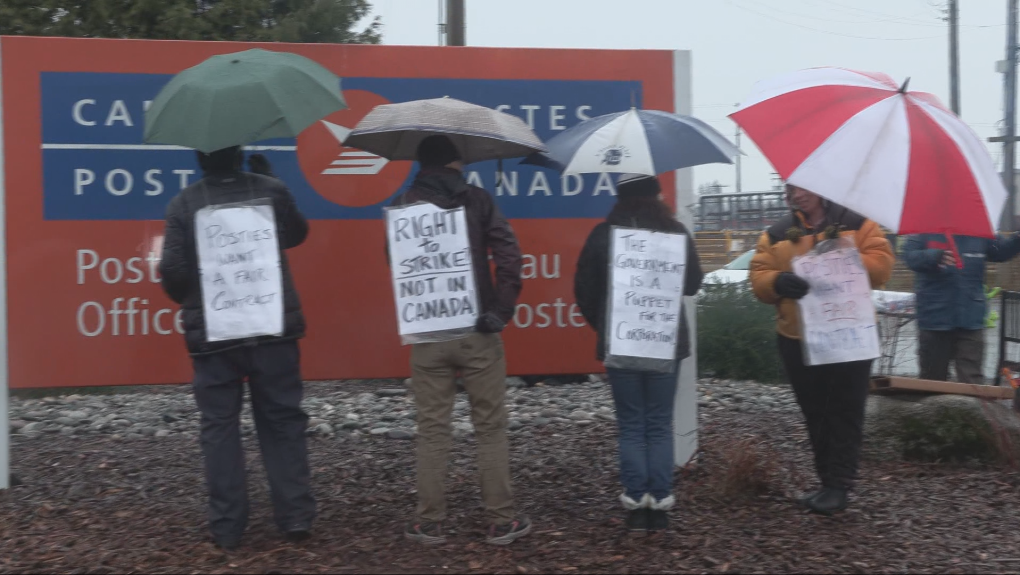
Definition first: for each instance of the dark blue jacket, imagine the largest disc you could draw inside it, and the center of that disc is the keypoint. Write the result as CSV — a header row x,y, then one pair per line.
x,y
948,297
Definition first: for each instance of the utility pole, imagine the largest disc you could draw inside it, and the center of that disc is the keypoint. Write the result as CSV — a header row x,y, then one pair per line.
x,y
737,163
1009,145
442,23
954,57
455,23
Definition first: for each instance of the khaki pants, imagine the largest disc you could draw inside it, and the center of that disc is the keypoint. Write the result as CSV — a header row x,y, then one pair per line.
x,y
480,360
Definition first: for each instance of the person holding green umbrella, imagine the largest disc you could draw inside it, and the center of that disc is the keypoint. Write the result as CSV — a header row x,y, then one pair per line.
x,y
224,262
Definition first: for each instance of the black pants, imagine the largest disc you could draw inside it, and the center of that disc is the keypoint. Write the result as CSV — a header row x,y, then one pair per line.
x,y
274,380
964,347
832,398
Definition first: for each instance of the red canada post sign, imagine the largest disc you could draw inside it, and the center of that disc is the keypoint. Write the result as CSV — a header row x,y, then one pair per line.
x,y
85,200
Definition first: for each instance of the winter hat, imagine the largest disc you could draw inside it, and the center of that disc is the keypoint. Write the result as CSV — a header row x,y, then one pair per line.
x,y
436,151
637,185
226,159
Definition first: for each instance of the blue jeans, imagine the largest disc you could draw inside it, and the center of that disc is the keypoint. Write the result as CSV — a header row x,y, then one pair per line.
x,y
644,413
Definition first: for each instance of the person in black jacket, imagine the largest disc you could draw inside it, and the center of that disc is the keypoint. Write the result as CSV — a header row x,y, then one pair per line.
x,y
478,357
270,364
644,400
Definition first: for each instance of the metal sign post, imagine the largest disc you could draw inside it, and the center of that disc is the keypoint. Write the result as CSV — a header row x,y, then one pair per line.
x,y
685,410
5,426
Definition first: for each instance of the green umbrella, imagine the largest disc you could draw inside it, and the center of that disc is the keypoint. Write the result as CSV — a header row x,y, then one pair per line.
x,y
240,98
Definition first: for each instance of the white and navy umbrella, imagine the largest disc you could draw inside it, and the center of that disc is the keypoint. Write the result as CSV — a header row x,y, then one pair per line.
x,y
649,142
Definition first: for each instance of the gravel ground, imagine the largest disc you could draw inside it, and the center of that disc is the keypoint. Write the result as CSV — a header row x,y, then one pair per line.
x,y
120,496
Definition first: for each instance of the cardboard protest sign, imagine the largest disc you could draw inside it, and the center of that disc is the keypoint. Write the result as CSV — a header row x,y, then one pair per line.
x,y
433,274
837,315
647,271
239,263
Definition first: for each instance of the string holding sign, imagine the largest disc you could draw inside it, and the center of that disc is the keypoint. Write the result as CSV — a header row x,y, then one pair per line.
x,y
646,273
837,315
239,264
433,273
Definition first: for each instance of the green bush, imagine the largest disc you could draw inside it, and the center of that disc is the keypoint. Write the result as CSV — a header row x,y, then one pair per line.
x,y
737,335
951,436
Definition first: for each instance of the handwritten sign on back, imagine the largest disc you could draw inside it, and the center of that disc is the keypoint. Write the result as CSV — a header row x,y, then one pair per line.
x,y
433,274
837,314
239,262
647,277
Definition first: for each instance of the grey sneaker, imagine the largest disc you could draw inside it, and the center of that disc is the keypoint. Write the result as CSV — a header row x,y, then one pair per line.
x,y
507,534
426,533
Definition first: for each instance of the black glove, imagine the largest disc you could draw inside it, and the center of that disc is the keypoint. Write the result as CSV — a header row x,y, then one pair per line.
x,y
791,286
258,164
489,323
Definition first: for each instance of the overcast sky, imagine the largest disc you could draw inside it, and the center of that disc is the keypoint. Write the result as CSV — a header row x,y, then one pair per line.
x,y
737,42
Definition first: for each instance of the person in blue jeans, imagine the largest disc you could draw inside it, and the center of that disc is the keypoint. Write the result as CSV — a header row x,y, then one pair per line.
x,y
644,399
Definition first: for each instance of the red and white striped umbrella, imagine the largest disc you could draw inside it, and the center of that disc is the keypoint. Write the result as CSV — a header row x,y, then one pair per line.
x,y
897,157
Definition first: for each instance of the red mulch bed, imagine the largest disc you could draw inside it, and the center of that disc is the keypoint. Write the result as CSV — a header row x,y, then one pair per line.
x,y
104,506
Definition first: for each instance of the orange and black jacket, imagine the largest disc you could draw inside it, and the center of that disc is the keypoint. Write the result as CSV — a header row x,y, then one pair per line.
x,y
791,237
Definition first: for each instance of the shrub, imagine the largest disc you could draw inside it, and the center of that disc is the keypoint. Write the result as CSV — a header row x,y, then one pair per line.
x,y
737,335
750,468
949,435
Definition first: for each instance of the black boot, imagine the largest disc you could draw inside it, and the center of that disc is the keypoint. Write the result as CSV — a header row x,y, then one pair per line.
x,y
637,512
637,521
805,499
658,520
829,501
658,514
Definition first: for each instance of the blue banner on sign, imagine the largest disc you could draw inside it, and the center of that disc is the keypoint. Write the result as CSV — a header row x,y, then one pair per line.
x,y
97,168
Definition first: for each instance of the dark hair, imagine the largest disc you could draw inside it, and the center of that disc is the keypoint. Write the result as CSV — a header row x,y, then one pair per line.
x,y
646,212
224,160
829,207
436,151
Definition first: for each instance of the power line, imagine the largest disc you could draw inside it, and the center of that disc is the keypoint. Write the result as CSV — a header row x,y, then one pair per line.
x,y
904,20
829,32
873,13
843,21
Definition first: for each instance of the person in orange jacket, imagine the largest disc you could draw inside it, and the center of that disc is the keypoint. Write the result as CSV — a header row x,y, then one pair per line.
x,y
831,397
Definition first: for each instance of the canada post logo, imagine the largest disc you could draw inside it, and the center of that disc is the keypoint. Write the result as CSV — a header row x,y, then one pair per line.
x,y
96,167
348,176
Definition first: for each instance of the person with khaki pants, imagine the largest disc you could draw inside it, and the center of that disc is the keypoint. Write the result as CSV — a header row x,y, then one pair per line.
x,y
478,358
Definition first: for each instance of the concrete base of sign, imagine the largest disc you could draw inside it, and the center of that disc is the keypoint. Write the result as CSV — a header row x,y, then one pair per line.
x,y
892,385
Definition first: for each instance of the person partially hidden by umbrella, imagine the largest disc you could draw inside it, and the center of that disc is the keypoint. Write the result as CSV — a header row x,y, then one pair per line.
x,y
951,302
478,358
270,364
831,397
644,400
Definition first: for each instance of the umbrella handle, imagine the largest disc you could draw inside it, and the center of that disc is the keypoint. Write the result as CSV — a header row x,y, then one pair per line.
x,y
956,252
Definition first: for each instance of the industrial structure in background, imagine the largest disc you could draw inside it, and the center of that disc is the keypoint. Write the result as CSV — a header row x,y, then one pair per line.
x,y
744,211
718,210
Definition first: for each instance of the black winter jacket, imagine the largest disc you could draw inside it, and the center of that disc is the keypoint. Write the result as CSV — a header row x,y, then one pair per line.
x,y
179,265
488,233
592,277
